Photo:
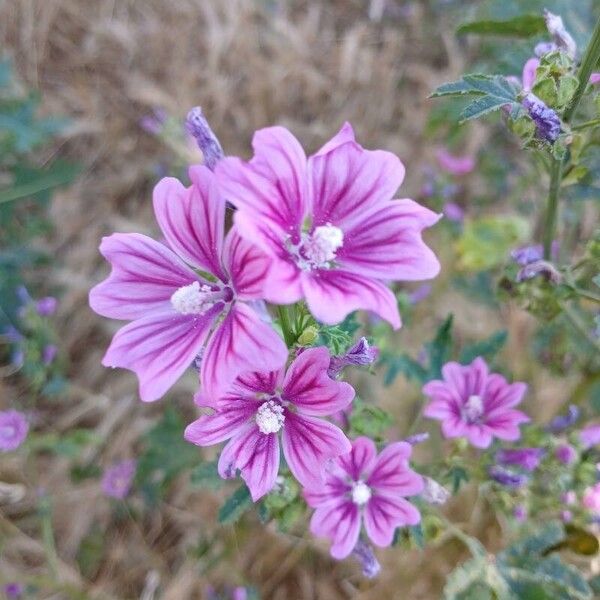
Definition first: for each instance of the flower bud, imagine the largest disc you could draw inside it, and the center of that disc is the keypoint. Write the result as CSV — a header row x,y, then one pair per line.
x,y
547,122
366,558
434,493
562,38
308,336
197,126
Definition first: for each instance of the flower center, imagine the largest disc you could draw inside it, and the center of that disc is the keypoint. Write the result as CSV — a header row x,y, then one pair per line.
x,y
361,493
473,409
318,249
196,299
270,417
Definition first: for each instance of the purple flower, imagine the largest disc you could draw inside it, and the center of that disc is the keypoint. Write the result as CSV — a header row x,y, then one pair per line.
x,y
539,267
569,498
566,454
13,430
547,122
529,69
562,422
417,438
361,354
595,78
453,164
197,126
591,499
590,436
520,513
527,254
13,591
362,486
260,405
369,563
543,48
526,458
49,354
46,306
474,403
239,593
118,478
561,37
566,516
329,223
154,123
507,477
454,212
175,312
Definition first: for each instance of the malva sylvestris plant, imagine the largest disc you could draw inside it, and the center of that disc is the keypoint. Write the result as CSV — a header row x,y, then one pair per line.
x,y
266,312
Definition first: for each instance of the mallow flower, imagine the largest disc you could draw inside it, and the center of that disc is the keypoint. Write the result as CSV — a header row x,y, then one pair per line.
x,y
177,309
471,402
363,487
13,429
329,223
260,406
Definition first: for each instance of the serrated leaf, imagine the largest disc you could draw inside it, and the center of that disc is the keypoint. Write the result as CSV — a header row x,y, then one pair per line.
x,y
487,348
492,85
482,106
439,348
523,26
455,88
406,366
235,506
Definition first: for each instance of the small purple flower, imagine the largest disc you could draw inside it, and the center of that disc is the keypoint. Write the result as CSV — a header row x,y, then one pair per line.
x,y
454,164
13,590
543,48
454,212
361,354
13,430
591,499
547,122
471,402
154,123
46,306
540,267
566,516
369,563
520,513
197,126
595,78
118,478
561,37
529,72
562,422
525,255
417,438
239,593
526,458
590,436
49,354
569,498
507,477
566,454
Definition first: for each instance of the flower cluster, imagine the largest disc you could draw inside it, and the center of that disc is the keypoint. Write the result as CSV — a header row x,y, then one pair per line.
x,y
322,230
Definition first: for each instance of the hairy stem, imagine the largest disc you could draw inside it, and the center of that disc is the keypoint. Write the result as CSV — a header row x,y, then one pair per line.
x,y
284,321
556,171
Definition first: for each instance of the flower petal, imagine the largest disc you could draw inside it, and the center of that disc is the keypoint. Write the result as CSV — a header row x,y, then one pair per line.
x,y
330,490
384,513
506,425
247,265
310,389
308,442
192,219
242,342
144,276
340,523
223,424
345,134
331,295
271,187
159,348
256,455
501,395
386,243
391,473
359,461
347,181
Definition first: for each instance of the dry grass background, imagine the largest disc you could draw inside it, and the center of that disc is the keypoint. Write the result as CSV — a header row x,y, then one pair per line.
x,y
249,63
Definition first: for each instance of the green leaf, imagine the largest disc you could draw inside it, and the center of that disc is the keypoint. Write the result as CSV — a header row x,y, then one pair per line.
x,y
537,543
487,348
417,535
455,88
406,366
368,419
480,107
523,26
439,348
206,475
235,506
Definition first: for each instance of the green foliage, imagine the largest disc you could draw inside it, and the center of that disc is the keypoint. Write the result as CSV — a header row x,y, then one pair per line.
x,y
166,454
486,242
206,475
492,93
368,419
69,444
487,348
523,26
235,506
339,337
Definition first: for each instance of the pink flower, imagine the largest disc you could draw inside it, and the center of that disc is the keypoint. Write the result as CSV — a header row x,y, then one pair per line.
x,y
117,479
591,498
329,223
595,78
528,77
364,487
590,436
13,429
260,405
175,311
453,164
476,404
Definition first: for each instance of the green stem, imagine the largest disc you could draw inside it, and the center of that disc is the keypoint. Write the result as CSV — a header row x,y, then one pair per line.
x,y
578,324
585,125
556,171
284,321
588,295
588,63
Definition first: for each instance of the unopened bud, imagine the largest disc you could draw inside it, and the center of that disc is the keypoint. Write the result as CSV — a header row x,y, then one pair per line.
x,y
308,336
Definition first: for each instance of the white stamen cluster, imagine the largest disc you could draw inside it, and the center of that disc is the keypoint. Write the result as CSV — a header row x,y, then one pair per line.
x,y
361,493
321,246
472,410
192,299
270,417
